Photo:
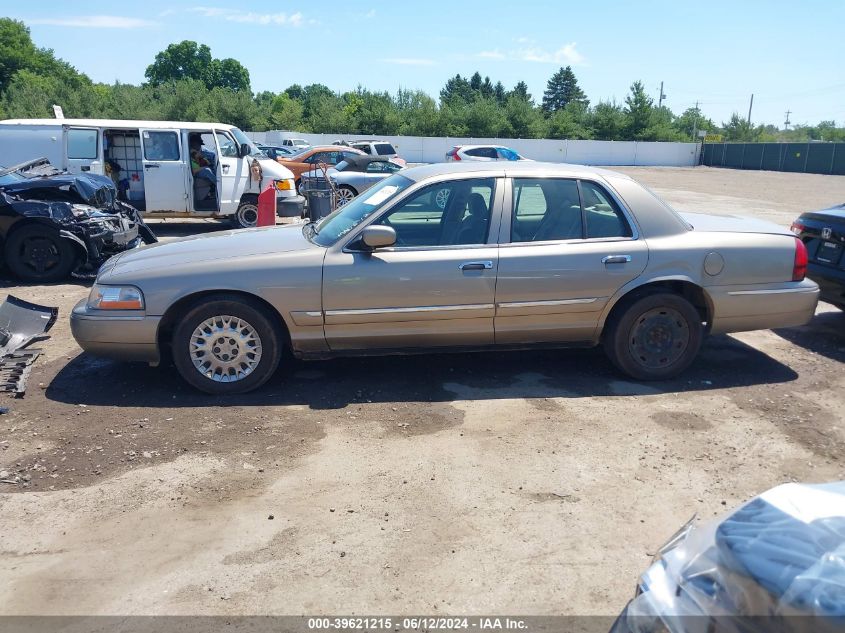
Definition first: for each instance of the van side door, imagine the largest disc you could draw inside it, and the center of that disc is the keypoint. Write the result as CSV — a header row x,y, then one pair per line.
x,y
233,172
83,151
164,171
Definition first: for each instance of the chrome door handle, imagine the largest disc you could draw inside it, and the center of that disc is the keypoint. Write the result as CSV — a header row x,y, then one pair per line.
x,y
616,259
476,265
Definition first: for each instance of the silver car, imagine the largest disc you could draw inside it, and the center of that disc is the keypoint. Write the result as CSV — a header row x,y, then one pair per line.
x,y
352,176
519,254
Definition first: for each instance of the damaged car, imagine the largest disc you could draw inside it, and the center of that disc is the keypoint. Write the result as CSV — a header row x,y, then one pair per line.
x,y
54,223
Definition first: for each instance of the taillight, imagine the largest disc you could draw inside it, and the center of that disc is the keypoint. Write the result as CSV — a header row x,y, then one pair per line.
x,y
455,155
799,267
797,227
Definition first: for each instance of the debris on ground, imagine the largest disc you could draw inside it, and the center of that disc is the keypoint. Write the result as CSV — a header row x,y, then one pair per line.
x,y
21,323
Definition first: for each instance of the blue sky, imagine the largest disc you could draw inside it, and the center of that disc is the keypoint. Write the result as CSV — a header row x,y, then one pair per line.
x,y
791,55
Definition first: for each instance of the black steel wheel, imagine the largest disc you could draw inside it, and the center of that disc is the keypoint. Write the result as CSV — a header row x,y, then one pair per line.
x,y
39,253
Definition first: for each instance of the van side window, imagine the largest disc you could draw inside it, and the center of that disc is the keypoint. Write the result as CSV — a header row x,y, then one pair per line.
x,y
82,143
161,145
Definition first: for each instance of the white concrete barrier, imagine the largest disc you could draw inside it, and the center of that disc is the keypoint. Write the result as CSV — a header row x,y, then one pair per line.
x,y
422,149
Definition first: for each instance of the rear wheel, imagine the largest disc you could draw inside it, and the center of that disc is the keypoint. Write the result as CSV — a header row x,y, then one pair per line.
x,y
247,214
226,345
39,253
654,337
345,193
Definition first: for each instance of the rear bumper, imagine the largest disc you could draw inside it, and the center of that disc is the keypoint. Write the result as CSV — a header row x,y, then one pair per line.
x,y
831,282
763,306
290,207
120,337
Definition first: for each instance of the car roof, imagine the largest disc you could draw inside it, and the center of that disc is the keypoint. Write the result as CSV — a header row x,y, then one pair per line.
x,y
120,123
333,148
509,168
477,146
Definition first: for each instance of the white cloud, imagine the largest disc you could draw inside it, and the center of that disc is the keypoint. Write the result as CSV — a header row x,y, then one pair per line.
x,y
233,15
96,22
566,54
409,61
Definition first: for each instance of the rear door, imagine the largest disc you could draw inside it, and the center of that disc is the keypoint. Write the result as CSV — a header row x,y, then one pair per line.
x,y
82,150
567,248
164,171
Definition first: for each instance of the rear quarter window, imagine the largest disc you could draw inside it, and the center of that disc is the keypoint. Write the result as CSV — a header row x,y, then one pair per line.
x,y
385,149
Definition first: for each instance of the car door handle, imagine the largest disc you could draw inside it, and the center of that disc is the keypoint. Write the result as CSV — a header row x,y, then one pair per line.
x,y
616,259
151,166
476,265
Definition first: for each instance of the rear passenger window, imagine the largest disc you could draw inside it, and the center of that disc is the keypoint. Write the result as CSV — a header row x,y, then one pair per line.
x,y
603,217
545,209
161,145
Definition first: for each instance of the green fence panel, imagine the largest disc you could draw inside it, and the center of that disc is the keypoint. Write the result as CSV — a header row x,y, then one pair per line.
x,y
795,157
812,158
733,155
838,159
772,154
753,158
819,158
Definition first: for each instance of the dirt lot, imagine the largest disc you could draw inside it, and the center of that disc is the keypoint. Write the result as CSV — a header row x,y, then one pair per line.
x,y
530,483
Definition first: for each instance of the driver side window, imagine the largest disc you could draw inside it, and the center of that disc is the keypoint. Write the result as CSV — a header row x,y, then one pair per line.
x,y
454,213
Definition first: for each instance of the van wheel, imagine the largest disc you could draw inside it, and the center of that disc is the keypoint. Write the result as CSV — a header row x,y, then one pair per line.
x,y
246,216
226,345
654,337
36,253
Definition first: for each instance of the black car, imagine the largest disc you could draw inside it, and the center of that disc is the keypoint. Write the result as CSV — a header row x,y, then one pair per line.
x,y
53,223
823,233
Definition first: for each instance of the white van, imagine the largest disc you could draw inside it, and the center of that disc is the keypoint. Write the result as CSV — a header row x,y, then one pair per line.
x,y
166,169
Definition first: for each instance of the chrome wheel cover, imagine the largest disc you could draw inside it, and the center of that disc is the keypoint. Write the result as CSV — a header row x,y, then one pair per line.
x,y
247,215
344,195
442,197
225,348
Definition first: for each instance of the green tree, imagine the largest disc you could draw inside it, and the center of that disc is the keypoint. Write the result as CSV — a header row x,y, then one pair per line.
x,y
457,88
229,73
561,90
286,113
570,122
691,121
189,60
295,92
524,120
521,91
738,129
638,107
607,120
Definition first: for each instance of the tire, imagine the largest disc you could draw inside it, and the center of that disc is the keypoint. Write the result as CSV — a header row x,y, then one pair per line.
x,y
654,336
40,254
244,332
345,193
246,217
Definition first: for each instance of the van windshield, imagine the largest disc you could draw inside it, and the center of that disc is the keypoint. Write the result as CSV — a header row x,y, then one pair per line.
x,y
244,139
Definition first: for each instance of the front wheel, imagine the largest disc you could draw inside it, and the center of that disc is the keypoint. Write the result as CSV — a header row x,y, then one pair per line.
x,y
226,345
39,253
345,193
655,337
246,216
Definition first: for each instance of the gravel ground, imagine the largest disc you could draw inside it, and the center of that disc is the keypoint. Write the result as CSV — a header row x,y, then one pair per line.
x,y
530,483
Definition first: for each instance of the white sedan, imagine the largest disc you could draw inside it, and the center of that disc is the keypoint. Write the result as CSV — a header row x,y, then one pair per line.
x,y
482,153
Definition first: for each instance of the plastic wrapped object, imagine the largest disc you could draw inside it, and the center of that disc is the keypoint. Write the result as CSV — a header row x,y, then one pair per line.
x,y
775,564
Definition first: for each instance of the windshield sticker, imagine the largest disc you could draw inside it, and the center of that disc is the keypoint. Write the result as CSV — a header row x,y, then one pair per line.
x,y
381,195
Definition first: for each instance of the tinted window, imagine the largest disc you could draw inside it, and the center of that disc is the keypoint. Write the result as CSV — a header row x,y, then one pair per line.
x,y
364,147
603,216
482,152
545,209
384,149
444,214
161,145
81,143
383,167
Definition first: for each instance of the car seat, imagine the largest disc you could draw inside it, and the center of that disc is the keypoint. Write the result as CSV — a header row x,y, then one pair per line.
x,y
474,225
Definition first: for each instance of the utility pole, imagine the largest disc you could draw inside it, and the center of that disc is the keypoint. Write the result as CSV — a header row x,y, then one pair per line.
x,y
695,125
749,109
662,96
787,122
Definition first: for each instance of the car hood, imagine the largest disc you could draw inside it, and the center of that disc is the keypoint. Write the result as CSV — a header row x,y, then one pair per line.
x,y
225,245
96,191
731,224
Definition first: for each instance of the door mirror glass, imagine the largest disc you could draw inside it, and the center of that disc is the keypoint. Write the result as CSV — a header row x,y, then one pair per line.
x,y
378,236
244,150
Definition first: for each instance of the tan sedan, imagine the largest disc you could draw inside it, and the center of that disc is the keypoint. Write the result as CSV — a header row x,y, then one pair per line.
x,y
480,255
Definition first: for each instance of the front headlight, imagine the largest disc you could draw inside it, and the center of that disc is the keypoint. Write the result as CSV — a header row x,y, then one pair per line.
x,y
115,298
285,185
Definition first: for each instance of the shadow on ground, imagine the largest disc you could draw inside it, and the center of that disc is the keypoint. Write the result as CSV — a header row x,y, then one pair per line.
x,y
724,362
165,229
824,335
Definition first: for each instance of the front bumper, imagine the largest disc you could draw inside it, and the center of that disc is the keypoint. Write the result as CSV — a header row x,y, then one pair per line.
x,y
762,306
290,206
120,335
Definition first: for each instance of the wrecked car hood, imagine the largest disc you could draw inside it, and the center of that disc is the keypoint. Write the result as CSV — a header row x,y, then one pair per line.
x,y
221,246
94,190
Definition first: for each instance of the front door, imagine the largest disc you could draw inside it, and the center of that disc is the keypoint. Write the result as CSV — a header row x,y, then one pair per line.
x,y
232,172
164,171
571,248
434,287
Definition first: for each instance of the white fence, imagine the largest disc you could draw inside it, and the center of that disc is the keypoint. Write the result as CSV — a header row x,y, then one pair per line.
x,y
422,149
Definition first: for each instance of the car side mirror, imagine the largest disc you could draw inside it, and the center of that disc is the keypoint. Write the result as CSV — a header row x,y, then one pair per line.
x,y
244,150
378,236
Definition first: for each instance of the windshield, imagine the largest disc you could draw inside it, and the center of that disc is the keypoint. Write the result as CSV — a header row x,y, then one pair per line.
x,y
350,215
243,138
